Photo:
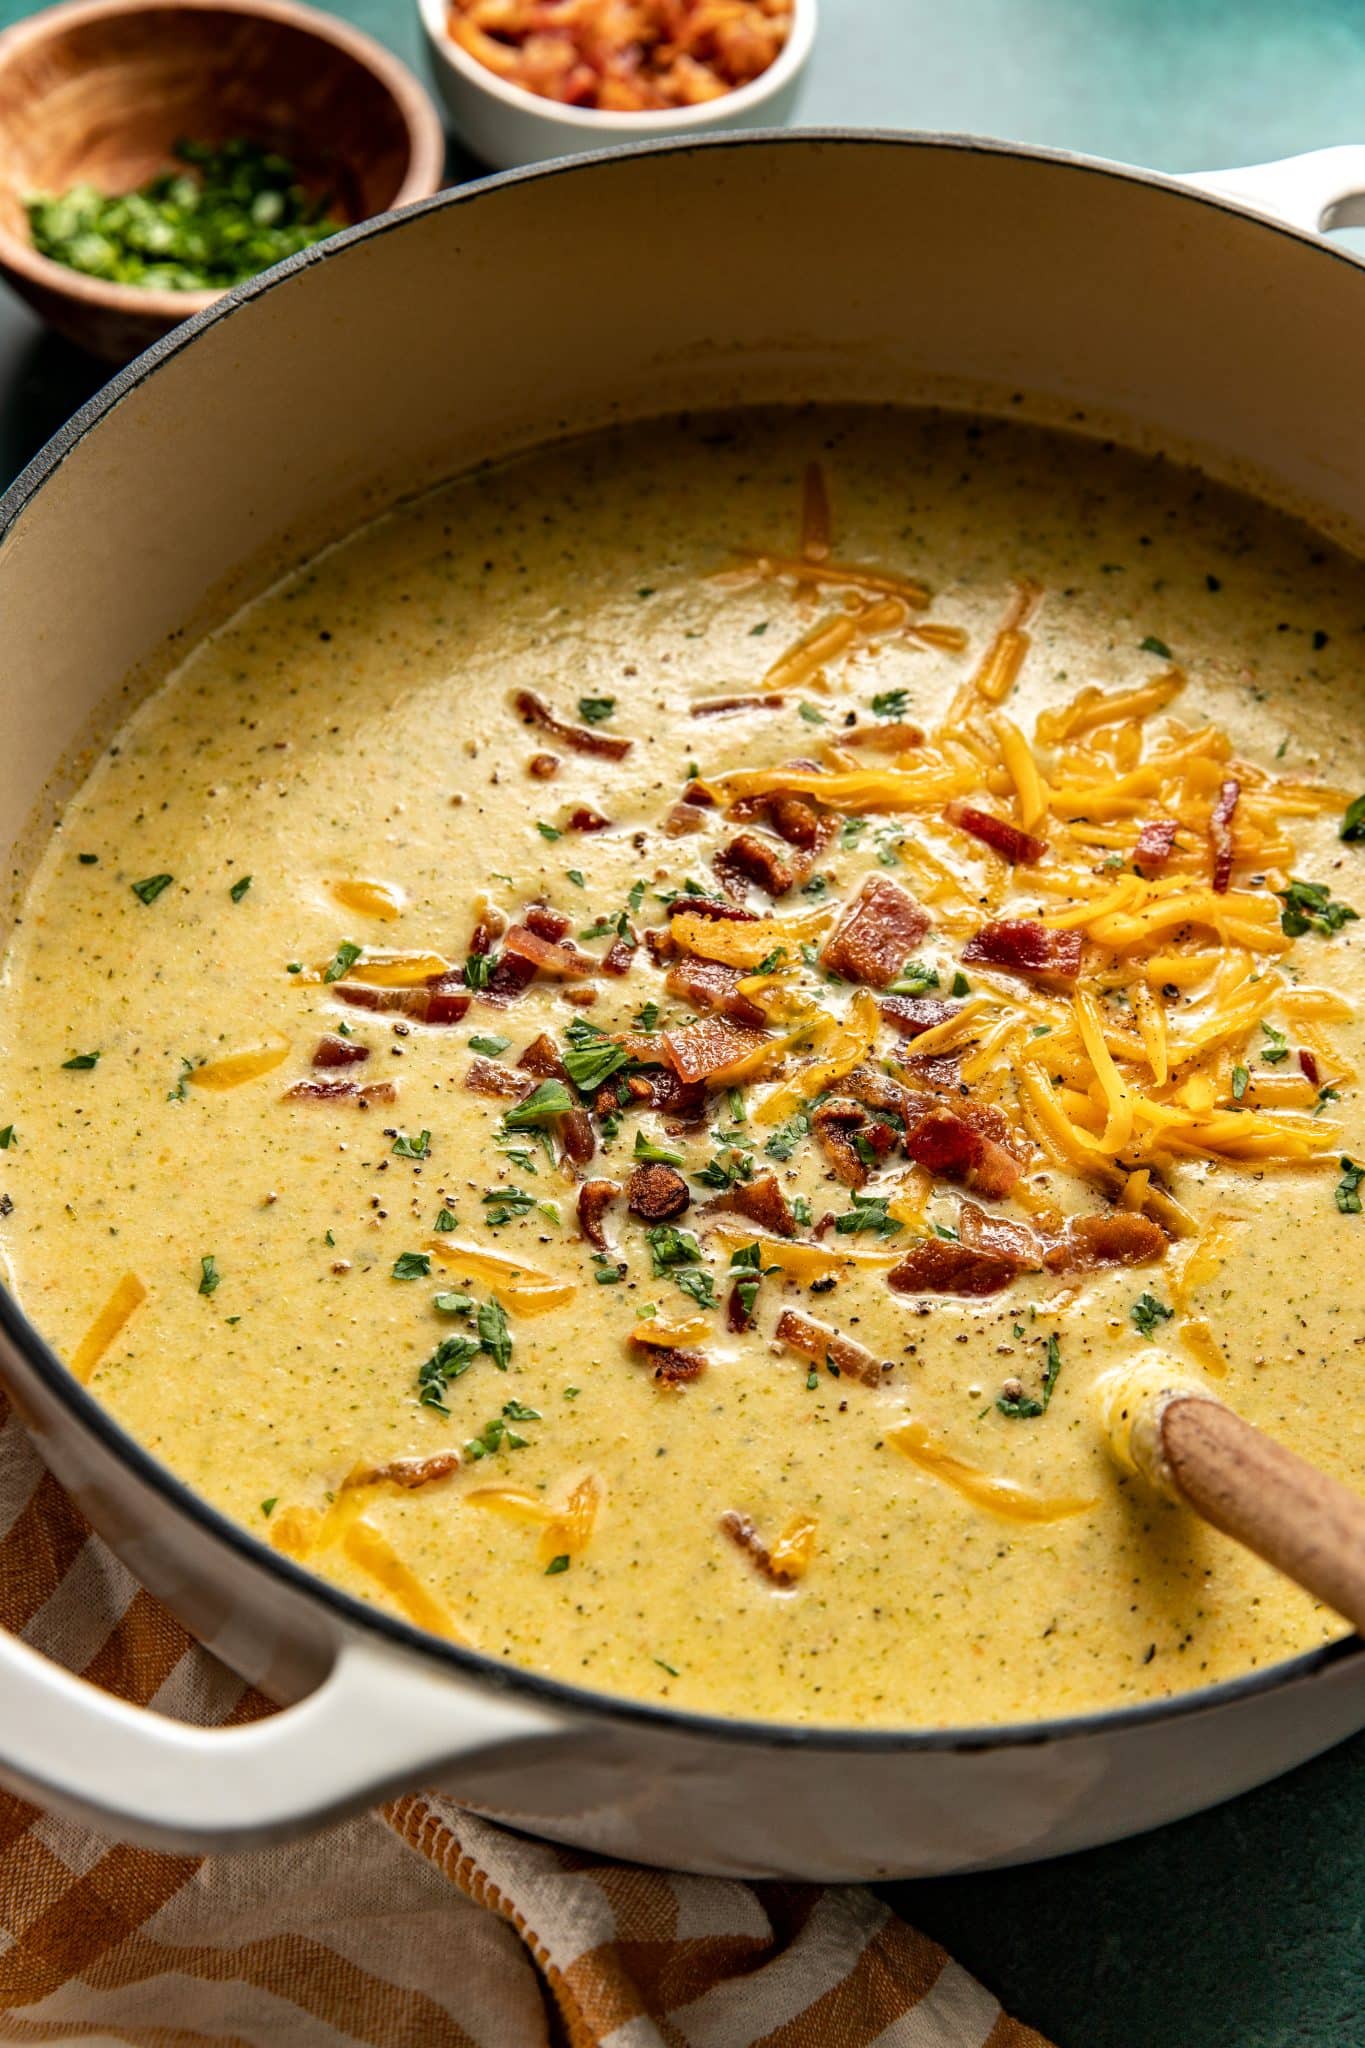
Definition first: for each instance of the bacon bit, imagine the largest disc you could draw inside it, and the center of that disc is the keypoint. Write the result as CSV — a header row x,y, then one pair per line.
x,y
658,1193
619,957
595,1197
873,938
1117,1237
1155,843
798,822
683,818
543,766
738,1316
709,1046
828,1346
878,1091
750,859
581,998
710,906
1220,834
790,1558
672,1367
333,1091
582,739
339,1052
715,707
574,1129
1019,848
547,956
883,739
913,1015
982,1232
946,1144
1023,946
697,793
936,1266
1308,1067
833,1126
490,1077
443,1000
759,1201
708,985
490,924
586,819
546,923
406,1472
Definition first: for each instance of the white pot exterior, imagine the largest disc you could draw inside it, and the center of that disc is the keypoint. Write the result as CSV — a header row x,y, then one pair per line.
x,y
497,316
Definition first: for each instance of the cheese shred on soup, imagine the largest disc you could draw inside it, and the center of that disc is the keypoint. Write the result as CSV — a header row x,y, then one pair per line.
x,y
608,1064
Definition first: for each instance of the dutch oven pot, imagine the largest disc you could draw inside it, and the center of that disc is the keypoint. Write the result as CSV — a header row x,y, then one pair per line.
x,y
793,266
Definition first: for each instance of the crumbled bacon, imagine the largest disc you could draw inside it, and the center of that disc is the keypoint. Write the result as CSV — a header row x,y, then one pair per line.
x,y
885,738
743,1533
759,1201
939,1070
709,985
585,819
443,1000
595,1197
797,821
951,1146
874,937
657,1192
712,707
545,922
1155,844
913,1015
490,1077
1114,1237
683,818
710,906
749,858
582,739
489,925
698,794
739,1313
708,1046
546,956
981,1231
619,957
1308,1067
1023,946
334,1091
672,1367
833,1126
828,1346
937,1266
1220,834
574,1128
1016,846
878,1091
331,1051
406,1472
543,766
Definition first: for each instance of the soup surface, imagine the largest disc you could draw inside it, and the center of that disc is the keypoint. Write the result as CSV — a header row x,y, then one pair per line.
x,y
608,1064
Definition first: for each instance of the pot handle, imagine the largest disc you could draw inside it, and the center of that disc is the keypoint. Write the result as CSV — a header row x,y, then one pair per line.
x,y
378,1724
1325,188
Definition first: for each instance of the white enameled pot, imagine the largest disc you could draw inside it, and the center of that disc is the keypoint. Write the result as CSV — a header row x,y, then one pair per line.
x,y
847,266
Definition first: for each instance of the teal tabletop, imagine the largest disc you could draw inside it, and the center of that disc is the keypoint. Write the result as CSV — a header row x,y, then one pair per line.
x,y
1244,1928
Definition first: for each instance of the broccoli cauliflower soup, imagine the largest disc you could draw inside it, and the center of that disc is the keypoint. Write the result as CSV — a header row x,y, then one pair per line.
x,y
607,1064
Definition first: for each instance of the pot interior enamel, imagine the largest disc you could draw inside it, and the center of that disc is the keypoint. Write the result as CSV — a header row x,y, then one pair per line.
x,y
787,268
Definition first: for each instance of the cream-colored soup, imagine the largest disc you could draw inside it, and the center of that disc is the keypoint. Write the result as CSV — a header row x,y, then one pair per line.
x,y
337,783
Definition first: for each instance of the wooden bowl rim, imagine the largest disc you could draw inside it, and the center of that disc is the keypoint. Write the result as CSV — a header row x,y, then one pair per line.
x,y
426,137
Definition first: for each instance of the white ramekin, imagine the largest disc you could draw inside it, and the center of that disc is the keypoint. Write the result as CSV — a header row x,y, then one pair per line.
x,y
504,125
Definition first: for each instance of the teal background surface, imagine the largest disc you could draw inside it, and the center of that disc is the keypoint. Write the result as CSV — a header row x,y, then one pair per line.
x,y
1243,1928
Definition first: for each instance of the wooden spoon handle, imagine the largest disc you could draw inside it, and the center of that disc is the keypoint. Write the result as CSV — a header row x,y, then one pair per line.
x,y
1310,1527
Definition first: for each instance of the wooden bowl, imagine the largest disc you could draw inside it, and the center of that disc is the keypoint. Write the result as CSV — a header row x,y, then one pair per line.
x,y
99,91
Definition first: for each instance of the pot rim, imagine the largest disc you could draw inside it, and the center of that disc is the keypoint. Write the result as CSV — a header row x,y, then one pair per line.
x,y
474,1666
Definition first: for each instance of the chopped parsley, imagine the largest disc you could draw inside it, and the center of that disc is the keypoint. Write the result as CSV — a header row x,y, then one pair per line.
x,y
88,860
494,1336
453,1304
6,1137
239,888
770,962
209,1276
811,715
960,985
1348,1187
268,1506
489,1042
589,1065
1353,824
1024,1407
547,1100
548,831
760,628
1240,1078
891,703
669,1247
445,1220
80,1062
577,877
1276,1047
560,1563
1308,906
661,1155
729,1167
594,710
788,1136
1151,645
502,1204
148,890
478,969
342,961
1147,1312
412,1266
869,1212
648,1017
914,978
851,831
412,1148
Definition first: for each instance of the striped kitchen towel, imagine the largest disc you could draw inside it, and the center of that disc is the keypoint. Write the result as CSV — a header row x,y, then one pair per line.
x,y
420,1927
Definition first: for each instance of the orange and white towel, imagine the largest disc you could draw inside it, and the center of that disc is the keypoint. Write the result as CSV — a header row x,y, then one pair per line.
x,y
479,1939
